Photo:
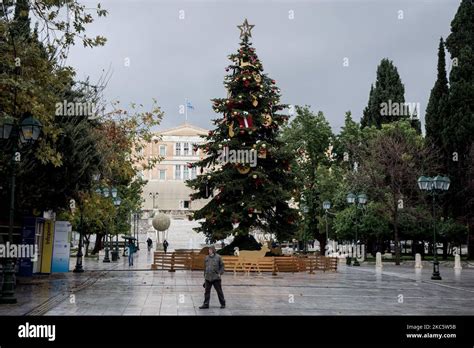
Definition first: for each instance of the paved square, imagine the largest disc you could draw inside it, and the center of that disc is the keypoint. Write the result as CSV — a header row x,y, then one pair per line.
x,y
116,289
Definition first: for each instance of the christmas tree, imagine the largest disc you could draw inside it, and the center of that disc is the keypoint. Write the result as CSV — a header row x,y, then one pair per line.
x,y
246,171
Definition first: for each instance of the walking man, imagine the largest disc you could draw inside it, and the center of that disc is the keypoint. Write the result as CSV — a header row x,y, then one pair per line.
x,y
213,269
165,245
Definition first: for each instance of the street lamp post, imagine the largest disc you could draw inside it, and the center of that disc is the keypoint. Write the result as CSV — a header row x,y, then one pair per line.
x,y
106,192
27,133
434,185
360,200
78,268
326,206
117,203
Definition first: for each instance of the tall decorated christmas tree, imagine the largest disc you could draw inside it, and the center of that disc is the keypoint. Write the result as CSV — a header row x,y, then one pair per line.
x,y
245,171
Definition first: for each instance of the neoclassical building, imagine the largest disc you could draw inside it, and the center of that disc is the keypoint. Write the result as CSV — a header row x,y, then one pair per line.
x,y
166,190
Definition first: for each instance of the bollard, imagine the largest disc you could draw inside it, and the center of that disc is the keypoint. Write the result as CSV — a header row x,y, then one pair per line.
x,y
378,260
457,262
418,261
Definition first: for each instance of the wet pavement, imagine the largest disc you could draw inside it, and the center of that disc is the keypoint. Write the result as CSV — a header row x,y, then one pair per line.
x,y
117,289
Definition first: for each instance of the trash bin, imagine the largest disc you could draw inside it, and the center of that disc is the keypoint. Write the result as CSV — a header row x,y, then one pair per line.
x,y
114,255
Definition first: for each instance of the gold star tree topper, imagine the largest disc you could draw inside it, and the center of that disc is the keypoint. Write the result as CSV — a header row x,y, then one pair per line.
x,y
245,29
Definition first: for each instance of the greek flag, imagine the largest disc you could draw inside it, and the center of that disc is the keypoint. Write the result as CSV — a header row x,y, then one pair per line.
x,y
189,105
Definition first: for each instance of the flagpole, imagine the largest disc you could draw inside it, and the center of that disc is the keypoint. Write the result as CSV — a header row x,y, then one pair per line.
x,y
186,109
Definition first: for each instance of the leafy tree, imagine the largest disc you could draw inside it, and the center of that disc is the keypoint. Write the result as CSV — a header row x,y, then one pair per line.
x,y
373,226
309,137
392,159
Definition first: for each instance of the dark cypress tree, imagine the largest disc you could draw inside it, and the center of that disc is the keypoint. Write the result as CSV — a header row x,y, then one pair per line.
x,y
364,122
21,25
386,99
458,128
439,93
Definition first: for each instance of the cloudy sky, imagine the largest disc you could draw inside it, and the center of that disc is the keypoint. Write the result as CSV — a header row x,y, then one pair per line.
x,y
303,46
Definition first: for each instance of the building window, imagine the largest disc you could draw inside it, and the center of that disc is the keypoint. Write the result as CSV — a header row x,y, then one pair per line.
x,y
185,173
177,172
162,174
178,149
186,149
193,173
162,150
186,204
194,149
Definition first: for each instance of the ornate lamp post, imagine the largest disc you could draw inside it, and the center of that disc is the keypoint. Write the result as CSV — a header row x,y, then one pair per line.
x,y
326,207
79,268
360,200
25,133
106,192
434,185
115,255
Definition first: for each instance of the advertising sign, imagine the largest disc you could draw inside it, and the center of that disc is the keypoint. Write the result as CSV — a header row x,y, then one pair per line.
x,y
62,247
47,247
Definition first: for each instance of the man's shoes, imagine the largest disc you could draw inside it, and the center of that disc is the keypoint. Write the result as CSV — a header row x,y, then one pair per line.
x,y
204,307
223,306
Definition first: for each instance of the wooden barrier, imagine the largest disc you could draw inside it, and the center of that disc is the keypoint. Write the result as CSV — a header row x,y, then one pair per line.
x,y
190,260
171,261
320,263
287,264
264,264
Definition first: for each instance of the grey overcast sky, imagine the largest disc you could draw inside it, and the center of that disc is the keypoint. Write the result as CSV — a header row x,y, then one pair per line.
x,y
304,50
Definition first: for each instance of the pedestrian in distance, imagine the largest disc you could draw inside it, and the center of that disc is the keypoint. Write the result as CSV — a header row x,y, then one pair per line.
x,y
149,243
165,245
213,270
131,251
